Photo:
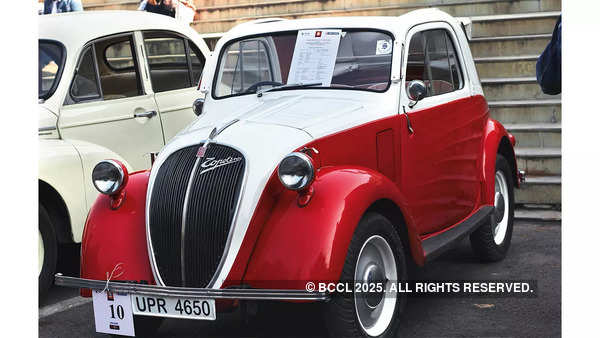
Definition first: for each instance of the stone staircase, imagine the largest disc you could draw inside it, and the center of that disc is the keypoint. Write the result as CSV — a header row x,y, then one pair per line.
x,y
507,38
94,5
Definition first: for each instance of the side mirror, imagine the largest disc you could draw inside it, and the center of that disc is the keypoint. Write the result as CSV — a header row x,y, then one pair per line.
x,y
416,91
198,106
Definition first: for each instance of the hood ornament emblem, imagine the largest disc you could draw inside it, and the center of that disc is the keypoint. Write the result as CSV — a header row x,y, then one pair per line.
x,y
214,133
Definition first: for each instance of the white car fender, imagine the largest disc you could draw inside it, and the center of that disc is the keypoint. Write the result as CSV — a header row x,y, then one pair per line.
x,y
66,166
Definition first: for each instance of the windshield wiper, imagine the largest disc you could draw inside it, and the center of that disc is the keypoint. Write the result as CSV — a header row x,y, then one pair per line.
x,y
289,86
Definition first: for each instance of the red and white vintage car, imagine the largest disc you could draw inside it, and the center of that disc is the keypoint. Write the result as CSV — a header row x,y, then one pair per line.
x,y
326,150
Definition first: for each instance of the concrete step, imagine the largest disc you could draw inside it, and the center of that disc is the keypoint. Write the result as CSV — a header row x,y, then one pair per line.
x,y
541,135
539,161
537,214
514,88
506,66
519,6
93,2
532,44
526,111
539,190
241,9
95,5
221,17
514,24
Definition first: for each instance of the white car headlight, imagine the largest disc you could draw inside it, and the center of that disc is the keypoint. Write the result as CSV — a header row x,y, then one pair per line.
x,y
109,177
296,171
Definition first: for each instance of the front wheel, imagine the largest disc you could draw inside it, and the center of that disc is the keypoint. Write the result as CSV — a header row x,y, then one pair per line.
x,y
375,255
47,252
491,241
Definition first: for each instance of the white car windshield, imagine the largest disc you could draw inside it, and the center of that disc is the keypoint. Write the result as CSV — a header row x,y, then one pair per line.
x,y
359,60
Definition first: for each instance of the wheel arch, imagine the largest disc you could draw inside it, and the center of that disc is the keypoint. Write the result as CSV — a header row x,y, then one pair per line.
x,y
57,211
506,149
299,243
390,210
496,141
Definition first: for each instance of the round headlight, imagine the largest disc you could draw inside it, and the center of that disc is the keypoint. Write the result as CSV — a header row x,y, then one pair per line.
x,y
109,176
296,171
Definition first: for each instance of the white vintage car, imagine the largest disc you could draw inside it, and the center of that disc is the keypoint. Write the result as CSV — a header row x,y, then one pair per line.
x,y
112,84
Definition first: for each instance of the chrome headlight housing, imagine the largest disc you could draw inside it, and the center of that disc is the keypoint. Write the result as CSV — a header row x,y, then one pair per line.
x,y
296,171
109,177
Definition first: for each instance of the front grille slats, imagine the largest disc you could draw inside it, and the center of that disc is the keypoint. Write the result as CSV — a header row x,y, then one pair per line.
x,y
167,200
211,206
211,203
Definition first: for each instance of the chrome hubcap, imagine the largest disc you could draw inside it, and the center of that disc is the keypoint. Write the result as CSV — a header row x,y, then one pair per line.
x,y
376,263
40,252
373,274
501,207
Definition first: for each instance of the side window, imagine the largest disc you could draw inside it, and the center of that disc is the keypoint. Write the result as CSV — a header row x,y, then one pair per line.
x,y
246,63
166,54
415,67
85,83
432,59
110,63
198,61
457,79
118,55
121,81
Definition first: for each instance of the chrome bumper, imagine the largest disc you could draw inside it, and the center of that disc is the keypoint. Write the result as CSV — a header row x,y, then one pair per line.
x,y
167,291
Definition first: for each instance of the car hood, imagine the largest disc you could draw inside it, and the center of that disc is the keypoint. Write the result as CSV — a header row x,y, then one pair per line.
x,y
313,114
47,121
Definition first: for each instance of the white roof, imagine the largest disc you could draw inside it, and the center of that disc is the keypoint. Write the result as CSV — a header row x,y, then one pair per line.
x,y
393,24
77,28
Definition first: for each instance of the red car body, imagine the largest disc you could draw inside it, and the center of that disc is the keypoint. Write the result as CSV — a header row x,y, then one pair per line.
x,y
287,244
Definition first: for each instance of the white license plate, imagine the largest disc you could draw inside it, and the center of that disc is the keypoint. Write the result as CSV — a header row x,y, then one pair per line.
x,y
174,307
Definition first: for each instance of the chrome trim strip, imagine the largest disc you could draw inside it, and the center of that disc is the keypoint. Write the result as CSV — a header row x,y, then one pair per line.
x,y
183,218
155,290
225,126
46,128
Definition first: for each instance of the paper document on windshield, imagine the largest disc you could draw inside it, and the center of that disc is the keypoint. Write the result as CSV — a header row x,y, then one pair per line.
x,y
314,56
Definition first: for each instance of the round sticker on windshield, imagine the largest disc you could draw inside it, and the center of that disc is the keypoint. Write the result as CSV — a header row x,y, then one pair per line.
x,y
383,47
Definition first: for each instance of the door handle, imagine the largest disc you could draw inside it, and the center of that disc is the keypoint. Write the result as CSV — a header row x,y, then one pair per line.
x,y
148,114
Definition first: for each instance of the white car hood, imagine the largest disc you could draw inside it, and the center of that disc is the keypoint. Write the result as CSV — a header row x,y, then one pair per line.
x,y
301,111
315,115
46,118
47,121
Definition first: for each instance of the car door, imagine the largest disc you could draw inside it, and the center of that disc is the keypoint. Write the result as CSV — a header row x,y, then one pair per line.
x,y
439,159
175,64
107,103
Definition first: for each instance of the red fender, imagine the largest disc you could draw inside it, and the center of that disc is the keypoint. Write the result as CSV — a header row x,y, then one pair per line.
x,y
300,244
118,236
493,134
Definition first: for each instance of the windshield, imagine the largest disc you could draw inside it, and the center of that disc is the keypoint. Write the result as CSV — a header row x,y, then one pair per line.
x,y
51,60
330,58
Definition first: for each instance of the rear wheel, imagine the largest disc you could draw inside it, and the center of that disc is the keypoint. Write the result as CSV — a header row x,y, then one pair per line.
x,y
491,241
375,255
47,252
